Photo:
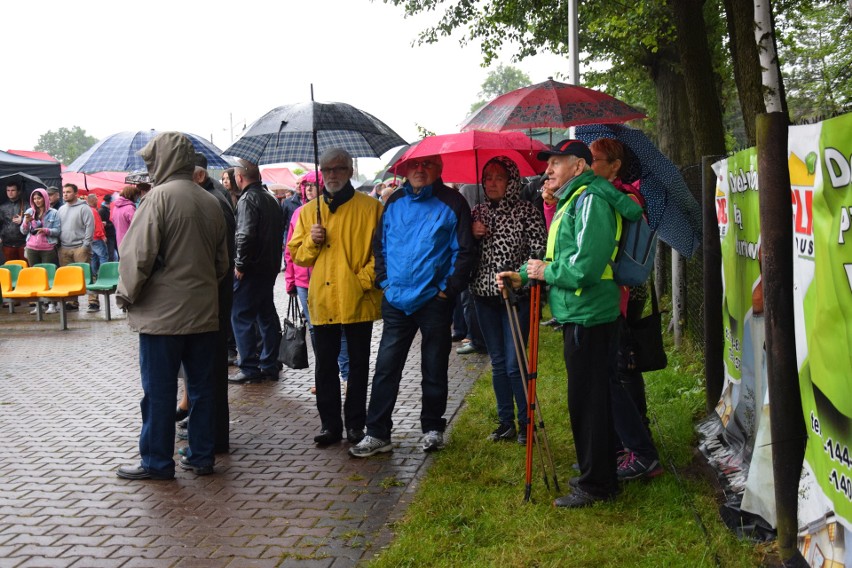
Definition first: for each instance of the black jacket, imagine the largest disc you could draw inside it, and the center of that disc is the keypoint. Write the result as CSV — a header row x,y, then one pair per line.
x,y
260,226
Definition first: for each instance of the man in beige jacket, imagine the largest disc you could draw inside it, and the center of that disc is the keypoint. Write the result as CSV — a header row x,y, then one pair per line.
x,y
172,259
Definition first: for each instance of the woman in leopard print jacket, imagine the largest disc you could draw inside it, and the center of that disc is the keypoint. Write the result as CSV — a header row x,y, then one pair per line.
x,y
509,231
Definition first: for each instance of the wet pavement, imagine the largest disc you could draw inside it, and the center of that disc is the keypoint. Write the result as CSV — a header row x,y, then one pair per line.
x,y
69,416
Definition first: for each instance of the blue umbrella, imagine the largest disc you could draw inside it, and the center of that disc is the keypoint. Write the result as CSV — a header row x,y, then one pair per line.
x,y
288,133
118,153
670,207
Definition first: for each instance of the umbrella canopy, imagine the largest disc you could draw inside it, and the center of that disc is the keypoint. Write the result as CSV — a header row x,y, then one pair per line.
x,y
286,134
101,184
119,153
282,176
26,182
550,105
465,154
671,209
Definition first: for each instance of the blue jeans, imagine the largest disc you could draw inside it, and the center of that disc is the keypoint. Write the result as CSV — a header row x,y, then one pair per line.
x,y
505,370
343,358
254,304
99,256
433,320
160,357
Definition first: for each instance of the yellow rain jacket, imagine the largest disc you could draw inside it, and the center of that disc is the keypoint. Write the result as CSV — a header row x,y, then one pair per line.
x,y
342,288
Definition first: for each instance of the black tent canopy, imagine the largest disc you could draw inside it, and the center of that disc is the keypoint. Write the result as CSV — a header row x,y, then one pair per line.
x,y
48,172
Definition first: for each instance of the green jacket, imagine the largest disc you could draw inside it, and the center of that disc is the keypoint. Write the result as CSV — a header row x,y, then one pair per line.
x,y
582,290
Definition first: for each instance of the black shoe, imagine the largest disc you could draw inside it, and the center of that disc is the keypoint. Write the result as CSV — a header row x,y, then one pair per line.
x,y
181,413
574,482
232,358
578,499
522,435
354,435
270,374
183,424
505,431
326,438
196,469
242,378
139,472
94,308
69,307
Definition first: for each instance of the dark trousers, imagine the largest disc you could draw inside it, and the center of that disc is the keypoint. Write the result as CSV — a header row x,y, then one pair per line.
x,y
254,305
590,360
327,374
433,321
160,357
629,428
14,253
221,412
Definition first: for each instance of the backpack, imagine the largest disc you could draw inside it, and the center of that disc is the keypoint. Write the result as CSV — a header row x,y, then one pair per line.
x,y
633,257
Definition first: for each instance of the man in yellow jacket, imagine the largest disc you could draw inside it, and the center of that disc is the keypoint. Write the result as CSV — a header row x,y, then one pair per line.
x,y
334,235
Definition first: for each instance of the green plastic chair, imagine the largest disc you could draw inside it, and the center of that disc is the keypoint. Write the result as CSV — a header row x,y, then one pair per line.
x,y
87,270
106,284
51,271
14,269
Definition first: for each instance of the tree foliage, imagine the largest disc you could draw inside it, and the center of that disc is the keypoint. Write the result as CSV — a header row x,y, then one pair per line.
x,y
815,49
499,81
65,144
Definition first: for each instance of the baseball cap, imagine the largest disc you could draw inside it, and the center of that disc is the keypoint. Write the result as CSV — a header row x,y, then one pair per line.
x,y
568,148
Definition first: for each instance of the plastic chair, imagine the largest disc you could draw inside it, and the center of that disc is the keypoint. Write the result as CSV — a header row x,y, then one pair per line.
x,y
32,282
51,271
106,284
87,270
69,282
5,284
21,263
14,270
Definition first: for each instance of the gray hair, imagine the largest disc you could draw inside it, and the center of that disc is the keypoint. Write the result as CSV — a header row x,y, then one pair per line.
x,y
334,154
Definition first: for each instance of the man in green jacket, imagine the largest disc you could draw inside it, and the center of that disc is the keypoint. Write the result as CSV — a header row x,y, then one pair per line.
x,y
585,299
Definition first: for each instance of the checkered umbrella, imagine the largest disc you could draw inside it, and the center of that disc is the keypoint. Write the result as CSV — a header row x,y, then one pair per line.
x,y
286,134
118,153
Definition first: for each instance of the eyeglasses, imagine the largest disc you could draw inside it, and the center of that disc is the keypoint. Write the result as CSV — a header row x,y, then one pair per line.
x,y
334,170
308,185
425,164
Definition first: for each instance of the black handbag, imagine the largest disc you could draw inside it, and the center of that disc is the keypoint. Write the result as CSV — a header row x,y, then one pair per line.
x,y
293,350
649,354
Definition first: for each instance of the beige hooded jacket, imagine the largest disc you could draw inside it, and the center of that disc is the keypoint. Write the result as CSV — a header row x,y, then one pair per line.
x,y
175,251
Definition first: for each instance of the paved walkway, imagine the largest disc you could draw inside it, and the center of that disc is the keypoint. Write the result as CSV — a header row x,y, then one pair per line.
x,y
69,416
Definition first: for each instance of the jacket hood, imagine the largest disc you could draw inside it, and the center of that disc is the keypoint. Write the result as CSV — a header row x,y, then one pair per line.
x,y
310,177
168,154
513,185
44,196
621,202
122,201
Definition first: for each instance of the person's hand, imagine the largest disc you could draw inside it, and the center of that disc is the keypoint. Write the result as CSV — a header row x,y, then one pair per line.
x,y
16,219
547,192
535,269
479,229
238,274
442,295
512,277
42,230
28,218
291,291
318,234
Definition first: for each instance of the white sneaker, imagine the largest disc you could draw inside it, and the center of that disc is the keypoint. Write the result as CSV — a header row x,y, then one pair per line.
x,y
432,441
34,311
370,446
51,309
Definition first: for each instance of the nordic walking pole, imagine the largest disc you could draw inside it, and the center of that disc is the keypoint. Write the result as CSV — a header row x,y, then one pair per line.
x,y
510,300
532,371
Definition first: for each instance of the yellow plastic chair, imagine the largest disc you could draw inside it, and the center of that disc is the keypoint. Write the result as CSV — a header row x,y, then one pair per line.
x,y
32,283
68,282
5,284
21,263
14,270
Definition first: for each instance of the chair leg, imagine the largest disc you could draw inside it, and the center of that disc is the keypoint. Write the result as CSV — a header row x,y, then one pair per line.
x,y
63,318
39,311
106,307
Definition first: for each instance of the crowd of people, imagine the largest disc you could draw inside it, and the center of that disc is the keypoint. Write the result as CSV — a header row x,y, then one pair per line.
x,y
199,261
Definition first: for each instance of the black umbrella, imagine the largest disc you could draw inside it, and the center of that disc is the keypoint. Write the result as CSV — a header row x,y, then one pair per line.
x,y
286,134
26,182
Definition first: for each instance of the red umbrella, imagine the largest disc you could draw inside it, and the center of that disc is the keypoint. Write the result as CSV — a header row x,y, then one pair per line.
x,y
550,105
464,154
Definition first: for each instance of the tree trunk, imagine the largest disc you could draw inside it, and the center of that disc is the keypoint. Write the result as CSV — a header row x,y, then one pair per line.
x,y
764,35
673,130
746,62
705,112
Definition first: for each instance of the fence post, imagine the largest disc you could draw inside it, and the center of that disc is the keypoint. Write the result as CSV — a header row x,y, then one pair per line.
x,y
678,296
660,270
785,410
714,344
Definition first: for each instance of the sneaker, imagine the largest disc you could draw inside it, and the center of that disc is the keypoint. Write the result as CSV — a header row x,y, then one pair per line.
x,y
34,311
467,349
522,435
370,446
505,431
94,308
51,309
432,441
635,466
196,469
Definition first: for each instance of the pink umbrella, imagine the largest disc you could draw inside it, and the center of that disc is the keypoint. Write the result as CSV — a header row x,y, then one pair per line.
x,y
464,154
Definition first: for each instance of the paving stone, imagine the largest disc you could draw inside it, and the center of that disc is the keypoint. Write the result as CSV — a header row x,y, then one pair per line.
x,y
275,499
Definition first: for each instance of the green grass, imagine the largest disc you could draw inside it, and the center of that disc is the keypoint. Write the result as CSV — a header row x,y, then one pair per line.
x,y
469,509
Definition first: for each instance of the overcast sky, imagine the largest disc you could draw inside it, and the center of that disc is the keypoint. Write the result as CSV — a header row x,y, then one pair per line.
x,y
191,65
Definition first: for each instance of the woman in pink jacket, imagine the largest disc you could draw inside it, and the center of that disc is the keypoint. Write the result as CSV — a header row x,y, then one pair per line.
x,y
124,208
